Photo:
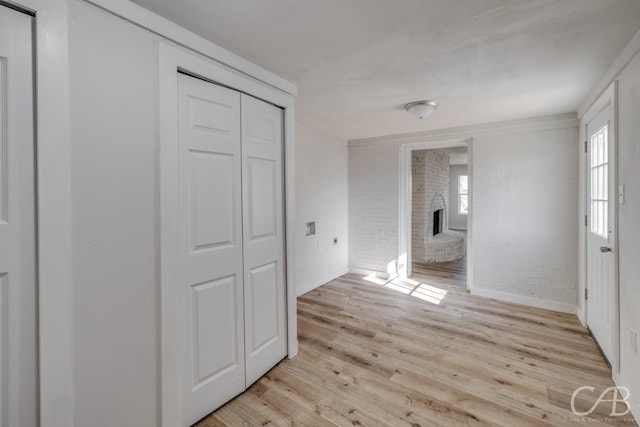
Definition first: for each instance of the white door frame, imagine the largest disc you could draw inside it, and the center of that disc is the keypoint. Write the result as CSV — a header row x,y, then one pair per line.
x,y
18,269
608,98
53,165
405,204
172,58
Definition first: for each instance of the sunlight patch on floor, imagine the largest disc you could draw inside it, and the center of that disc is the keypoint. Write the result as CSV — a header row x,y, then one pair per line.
x,y
373,279
428,293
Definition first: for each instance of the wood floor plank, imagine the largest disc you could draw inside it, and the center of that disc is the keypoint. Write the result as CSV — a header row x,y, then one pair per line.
x,y
484,338
330,389
424,352
390,400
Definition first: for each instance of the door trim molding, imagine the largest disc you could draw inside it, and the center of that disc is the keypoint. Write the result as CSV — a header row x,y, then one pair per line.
x,y
53,165
172,58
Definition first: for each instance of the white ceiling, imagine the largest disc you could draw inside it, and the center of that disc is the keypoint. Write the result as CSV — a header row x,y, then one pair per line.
x,y
357,62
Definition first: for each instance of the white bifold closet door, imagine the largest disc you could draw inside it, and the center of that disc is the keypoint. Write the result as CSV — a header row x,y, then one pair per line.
x,y
264,294
231,236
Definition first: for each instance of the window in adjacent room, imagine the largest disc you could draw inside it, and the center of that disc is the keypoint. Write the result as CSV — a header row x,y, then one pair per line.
x,y
463,194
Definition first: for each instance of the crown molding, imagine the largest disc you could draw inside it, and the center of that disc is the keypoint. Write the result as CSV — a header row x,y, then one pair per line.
x,y
558,121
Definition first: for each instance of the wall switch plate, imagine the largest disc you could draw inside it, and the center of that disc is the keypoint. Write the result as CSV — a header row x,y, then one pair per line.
x,y
633,340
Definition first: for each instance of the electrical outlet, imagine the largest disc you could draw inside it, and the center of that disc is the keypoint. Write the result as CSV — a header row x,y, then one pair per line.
x,y
310,228
633,340
335,240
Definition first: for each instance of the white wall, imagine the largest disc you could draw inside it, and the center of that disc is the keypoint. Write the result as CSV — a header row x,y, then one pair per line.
x,y
373,207
629,225
524,217
113,174
522,167
321,196
456,220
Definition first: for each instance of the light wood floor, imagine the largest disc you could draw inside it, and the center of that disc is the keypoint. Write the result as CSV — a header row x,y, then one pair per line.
x,y
426,353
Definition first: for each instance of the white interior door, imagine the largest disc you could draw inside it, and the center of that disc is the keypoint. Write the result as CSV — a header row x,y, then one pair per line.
x,y
211,271
265,300
601,256
18,343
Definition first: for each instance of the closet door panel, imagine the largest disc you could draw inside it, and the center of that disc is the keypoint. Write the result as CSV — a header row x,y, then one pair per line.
x,y
213,311
263,287
211,202
263,241
261,185
211,271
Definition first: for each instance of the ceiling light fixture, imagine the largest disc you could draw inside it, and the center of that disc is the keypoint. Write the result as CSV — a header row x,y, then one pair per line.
x,y
421,109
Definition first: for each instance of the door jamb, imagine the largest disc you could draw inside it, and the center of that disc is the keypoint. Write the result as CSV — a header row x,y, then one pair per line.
x,y
54,237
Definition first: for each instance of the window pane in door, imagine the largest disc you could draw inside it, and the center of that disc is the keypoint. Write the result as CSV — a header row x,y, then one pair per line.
x,y
599,182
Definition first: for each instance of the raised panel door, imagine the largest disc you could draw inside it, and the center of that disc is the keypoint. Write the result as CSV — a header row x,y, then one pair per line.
x,y
264,305
211,274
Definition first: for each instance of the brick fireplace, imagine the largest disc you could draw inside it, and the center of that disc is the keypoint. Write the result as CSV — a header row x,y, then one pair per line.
x,y
432,241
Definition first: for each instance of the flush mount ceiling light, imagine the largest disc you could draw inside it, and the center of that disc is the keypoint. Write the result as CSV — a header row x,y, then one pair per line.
x,y
421,109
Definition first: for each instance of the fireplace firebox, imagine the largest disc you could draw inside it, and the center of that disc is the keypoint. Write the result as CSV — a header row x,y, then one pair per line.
x,y
437,221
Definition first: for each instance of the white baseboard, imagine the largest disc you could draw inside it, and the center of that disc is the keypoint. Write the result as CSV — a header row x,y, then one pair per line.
x,y
366,272
634,401
309,286
525,300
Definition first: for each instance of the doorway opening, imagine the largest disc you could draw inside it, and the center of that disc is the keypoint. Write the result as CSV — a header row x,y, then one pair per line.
x,y
433,227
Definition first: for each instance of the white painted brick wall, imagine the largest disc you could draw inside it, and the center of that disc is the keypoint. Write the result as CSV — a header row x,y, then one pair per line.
x,y
524,214
445,247
418,208
430,192
373,206
436,187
